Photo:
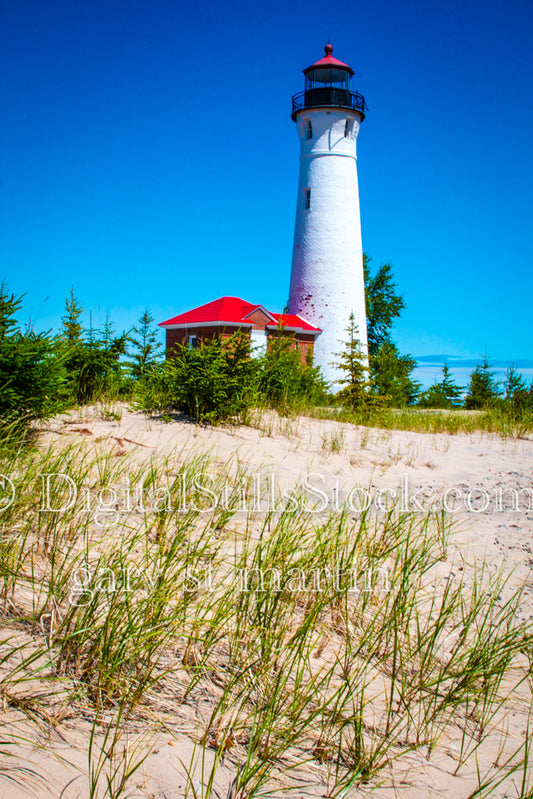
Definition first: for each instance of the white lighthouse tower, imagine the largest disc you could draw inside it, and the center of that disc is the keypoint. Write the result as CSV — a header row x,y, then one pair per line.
x,y
327,280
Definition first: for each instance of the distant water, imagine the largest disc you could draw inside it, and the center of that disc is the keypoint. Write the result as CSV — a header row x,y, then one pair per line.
x,y
429,369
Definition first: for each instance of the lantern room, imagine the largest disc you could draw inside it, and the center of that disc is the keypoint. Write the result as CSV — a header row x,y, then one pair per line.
x,y
329,72
328,82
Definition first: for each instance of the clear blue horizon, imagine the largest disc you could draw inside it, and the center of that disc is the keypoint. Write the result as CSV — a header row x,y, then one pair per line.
x,y
149,159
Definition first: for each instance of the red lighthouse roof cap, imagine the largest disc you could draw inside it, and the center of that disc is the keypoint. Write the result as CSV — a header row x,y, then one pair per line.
x,y
329,61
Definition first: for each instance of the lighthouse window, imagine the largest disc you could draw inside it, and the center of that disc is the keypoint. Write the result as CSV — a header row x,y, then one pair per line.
x,y
307,199
308,130
348,128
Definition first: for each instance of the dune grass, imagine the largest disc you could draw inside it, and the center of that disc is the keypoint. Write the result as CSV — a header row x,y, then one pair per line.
x,y
331,643
499,420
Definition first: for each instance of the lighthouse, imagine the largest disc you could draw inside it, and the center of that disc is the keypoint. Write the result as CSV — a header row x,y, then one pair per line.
x,y
327,278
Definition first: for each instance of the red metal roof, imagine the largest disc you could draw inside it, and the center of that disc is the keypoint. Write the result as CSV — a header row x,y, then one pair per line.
x,y
292,320
233,310
329,61
225,309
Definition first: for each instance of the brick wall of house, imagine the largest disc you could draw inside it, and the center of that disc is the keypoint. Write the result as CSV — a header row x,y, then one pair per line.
x,y
304,342
181,335
259,319
305,347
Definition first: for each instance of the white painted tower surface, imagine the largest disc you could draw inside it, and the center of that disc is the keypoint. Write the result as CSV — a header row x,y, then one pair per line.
x,y
327,279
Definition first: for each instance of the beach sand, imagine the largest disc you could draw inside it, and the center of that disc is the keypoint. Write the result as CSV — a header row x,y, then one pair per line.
x,y
486,483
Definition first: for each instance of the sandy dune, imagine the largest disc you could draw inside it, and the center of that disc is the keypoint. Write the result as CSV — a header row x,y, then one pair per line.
x,y
485,481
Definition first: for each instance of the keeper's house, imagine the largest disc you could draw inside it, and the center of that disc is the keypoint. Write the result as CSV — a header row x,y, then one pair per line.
x,y
227,315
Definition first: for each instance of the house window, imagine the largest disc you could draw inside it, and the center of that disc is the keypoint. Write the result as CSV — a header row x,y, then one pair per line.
x,y
307,199
308,129
348,127
193,342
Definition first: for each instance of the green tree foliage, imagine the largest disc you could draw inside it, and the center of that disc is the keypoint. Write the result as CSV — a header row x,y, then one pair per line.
x,y
390,372
445,394
30,376
212,383
390,375
514,385
383,304
352,362
283,379
483,388
522,399
517,399
72,329
145,343
219,380
91,361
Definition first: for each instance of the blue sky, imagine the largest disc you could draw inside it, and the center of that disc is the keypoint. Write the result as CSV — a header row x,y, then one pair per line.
x,y
148,158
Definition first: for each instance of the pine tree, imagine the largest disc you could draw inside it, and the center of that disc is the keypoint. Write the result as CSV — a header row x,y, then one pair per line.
x,y
108,328
90,357
354,364
30,375
9,305
483,388
211,383
283,380
514,384
446,394
146,344
390,375
72,329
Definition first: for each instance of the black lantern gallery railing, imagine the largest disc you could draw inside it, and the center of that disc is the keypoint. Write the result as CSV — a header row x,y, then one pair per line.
x,y
329,96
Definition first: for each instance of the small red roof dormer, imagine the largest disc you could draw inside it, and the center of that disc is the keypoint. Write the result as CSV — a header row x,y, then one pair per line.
x,y
329,61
